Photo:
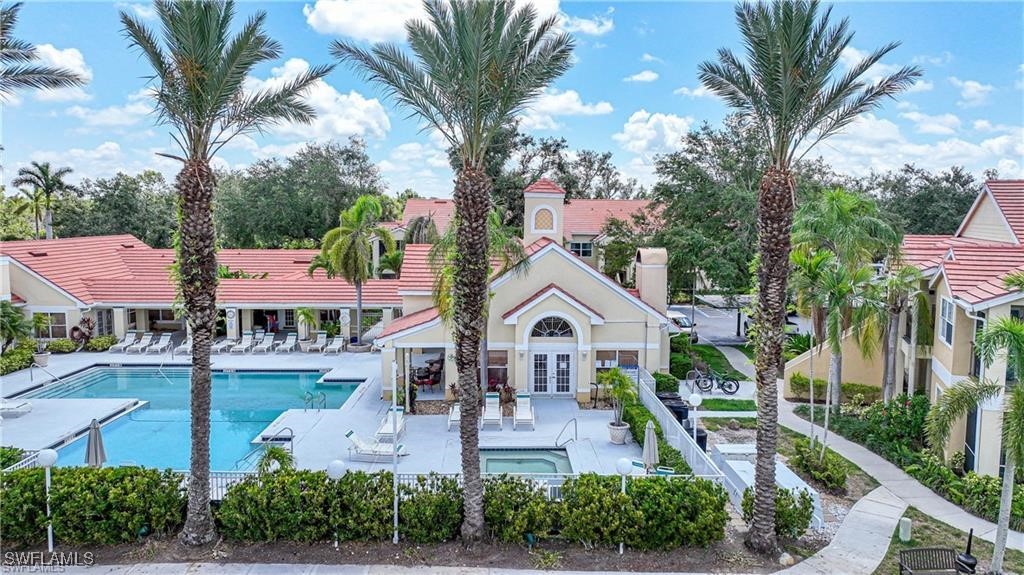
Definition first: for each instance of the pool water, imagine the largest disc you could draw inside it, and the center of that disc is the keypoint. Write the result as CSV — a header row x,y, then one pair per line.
x,y
158,435
525,461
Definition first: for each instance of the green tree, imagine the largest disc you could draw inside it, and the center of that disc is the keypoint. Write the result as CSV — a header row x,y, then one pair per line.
x,y
809,269
199,69
19,62
14,225
898,292
421,230
13,325
392,261
42,178
924,202
475,65
789,87
622,238
347,250
142,205
34,205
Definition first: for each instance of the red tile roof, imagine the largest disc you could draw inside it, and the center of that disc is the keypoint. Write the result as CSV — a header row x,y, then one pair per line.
x,y
544,186
976,275
1009,196
17,299
410,321
417,274
441,210
584,217
543,291
928,251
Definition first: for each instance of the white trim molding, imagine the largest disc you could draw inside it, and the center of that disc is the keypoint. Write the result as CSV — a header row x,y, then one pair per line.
x,y
555,291
533,220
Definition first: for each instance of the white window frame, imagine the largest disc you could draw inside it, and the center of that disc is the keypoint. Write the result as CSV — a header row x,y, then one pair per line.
x,y
48,330
533,219
944,305
579,247
289,319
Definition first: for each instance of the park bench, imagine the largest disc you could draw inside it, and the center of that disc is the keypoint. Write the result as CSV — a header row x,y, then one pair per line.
x,y
927,560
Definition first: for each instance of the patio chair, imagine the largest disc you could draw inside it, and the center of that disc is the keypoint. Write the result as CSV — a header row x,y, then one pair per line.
x,y
664,470
289,343
492,410
377,451
319,343
129,339
185,348
395,419
223,345
141,345
265,345
336,347
160,346
244,345
454,415
523,412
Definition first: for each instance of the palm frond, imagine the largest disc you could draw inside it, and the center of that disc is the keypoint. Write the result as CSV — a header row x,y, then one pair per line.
x,y
953,404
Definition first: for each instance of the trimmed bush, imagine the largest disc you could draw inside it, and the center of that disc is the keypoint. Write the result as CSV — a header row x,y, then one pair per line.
x,y
286,505
679,365
9,456
830,472
101,343
636,416
62,345
800,387
596,512
91,506
514,507
678,512
680,344
18,356
794,510
430,512
665,382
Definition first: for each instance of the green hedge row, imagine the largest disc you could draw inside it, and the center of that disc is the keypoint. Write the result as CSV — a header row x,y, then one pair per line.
x,y
90,506
18,356
101,343
636,416
800,387
665,382
62,345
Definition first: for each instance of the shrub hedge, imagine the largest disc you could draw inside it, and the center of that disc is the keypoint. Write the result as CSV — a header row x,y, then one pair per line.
x,y
91,506
636,416
18,356
665,382
101,343
62,345
794,509
830,471
800,387
9,455
514,507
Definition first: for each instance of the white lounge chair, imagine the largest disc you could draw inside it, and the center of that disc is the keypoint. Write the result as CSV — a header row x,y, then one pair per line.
x,y
288,345
185,348
129,339
523,411
337,346
160,346
265,345
319,343
223,345
244,345
141,345
386,432
454,415
492,410
377,451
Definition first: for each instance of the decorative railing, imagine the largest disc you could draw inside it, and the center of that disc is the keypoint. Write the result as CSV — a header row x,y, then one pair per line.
x,y
28,459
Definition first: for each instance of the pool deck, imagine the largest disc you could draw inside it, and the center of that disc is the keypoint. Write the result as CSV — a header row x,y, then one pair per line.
x,y
53,421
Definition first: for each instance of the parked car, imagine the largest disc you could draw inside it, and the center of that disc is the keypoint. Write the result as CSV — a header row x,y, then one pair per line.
x,y
684,323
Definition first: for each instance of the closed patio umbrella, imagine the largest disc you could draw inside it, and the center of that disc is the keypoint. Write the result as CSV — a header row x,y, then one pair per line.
x,y
650,446
95,455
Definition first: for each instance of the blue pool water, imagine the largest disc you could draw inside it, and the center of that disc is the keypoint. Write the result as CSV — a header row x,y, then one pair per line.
x,y
158,435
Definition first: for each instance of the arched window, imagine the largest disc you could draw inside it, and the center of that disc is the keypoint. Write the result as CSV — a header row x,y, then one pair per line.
x,y
544,219
552,327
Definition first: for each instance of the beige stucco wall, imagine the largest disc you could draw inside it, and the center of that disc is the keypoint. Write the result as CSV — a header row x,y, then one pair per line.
x,y
987,222
856,367
36,292
956,357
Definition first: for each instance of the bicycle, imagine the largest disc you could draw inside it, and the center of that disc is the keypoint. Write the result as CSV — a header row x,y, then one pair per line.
x,y
707,382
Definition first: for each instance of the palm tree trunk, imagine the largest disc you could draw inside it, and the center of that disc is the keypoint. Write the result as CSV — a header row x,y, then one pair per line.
x,y
359,312
469,295
891,341
912,358
774,225
48,221
1003,523
197,265
835,377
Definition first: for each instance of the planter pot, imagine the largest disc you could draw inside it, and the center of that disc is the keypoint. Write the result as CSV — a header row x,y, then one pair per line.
x,y
617,433
41,359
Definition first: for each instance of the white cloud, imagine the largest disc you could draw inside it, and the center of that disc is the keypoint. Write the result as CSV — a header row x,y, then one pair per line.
x,y
554,102
644,76
987,126
935,60
423,167
144,11
942,124
698,92
650,58
904,105
921,86
972,92
137,108
647,133
597,25
851,56
338,115
69,59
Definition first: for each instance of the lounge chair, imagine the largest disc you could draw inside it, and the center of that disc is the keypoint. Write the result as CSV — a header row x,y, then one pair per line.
x,y
141,345
377,451
129,339
664,471
160,346
223,345
265,345
492,410
454,415
386,432
288,345
319,343
523,411
337,346
244,345
185,348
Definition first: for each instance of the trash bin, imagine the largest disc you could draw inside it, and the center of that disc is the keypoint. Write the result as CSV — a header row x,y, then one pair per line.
x,y
679,408
664,396
702,439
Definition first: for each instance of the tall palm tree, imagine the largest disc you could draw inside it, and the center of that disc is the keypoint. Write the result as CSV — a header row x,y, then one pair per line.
x,y
34,204
421,230
347,250
791,90
19,67
899,292
809,267
44,179
474,66
199,69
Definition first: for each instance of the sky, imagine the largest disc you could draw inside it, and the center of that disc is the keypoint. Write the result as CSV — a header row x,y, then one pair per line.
x,y
633,89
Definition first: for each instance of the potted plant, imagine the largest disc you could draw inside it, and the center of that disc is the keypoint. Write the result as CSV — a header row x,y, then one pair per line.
x,y
40,322
620,388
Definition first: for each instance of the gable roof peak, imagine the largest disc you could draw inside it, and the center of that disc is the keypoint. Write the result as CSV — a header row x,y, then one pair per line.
x,y
544,186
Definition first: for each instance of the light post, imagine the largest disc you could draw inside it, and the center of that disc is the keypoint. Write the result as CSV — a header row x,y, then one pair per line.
x,y
695,400
624,466
47,458
394,443
335,470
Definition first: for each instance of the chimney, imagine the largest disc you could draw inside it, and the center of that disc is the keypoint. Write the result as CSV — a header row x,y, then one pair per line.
x,y
652,277
543,207
5,278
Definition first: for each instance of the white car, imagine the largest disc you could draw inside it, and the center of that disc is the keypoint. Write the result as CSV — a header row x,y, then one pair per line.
x,y
684,323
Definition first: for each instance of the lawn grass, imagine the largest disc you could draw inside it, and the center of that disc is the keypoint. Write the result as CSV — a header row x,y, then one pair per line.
x,y
717,361
712,423
929,532
722,404
747,349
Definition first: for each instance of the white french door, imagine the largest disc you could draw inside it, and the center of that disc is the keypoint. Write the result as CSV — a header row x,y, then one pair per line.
x,y
552,373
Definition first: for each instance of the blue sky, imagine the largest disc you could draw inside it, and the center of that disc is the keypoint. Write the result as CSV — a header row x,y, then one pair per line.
x,y
632,91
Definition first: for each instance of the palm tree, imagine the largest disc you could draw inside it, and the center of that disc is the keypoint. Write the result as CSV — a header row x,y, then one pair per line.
x,y
809,267
790,90
19,67
421,230
34,204
899,291
474,66
13,325
347,250
45,180
391,261
199,69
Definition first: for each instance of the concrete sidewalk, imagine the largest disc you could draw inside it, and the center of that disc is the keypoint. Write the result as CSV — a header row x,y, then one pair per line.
x,y
738,359
293,569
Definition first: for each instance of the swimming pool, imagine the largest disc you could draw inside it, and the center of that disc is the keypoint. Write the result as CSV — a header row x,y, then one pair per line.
x,y
525,461
158,435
